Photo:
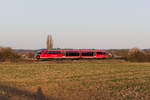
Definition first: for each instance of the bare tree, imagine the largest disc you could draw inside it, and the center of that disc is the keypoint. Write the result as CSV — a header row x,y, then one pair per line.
x,y
49,42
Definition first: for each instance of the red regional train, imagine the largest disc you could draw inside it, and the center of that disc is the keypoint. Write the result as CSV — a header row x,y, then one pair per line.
x,y
71,53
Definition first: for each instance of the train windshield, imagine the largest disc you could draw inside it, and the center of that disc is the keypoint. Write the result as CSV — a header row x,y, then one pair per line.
x,y
40,51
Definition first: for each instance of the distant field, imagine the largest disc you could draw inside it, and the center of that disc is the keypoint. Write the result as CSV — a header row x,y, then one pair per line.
x,y
77,80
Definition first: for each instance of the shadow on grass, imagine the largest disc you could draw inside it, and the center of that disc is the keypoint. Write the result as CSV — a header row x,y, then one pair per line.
x,y
13,93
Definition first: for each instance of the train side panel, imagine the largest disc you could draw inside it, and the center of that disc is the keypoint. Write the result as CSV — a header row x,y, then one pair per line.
x,y
52,54
72,53
101,54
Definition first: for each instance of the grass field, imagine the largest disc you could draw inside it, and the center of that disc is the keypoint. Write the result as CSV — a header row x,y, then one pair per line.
x,y
75,80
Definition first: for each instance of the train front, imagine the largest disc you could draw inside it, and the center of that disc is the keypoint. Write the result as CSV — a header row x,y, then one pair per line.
x,y
38,53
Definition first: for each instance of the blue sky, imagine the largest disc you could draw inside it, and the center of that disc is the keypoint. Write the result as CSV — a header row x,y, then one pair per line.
x,y
103,24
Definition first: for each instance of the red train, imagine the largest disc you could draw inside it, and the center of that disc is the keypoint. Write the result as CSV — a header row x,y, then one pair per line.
x,y
71,53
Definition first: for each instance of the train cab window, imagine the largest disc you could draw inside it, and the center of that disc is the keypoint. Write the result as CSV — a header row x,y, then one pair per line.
x,y
52,52
72,53
101,53
40,51
87,53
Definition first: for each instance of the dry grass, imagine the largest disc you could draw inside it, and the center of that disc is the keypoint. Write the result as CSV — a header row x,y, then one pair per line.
x,y
80,80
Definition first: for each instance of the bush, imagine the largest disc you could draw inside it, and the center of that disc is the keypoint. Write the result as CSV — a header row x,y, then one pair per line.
x,y
137,55
7,54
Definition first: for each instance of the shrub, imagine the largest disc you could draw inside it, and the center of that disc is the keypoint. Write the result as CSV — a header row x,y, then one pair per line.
x,y
7,54
137,55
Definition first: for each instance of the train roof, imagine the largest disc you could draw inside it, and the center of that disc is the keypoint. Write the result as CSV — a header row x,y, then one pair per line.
x,y
66,49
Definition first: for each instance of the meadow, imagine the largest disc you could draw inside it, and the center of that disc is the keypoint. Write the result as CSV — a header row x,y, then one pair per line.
x,y
75,80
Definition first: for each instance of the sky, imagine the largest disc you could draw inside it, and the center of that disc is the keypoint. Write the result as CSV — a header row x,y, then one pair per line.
x,y
104,24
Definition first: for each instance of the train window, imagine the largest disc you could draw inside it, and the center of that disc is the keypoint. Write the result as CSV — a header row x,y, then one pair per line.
x,y
101,53
53,52
87,53
72,53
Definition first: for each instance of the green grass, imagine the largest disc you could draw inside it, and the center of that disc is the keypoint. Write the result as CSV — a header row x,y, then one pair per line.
x,y
82,80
